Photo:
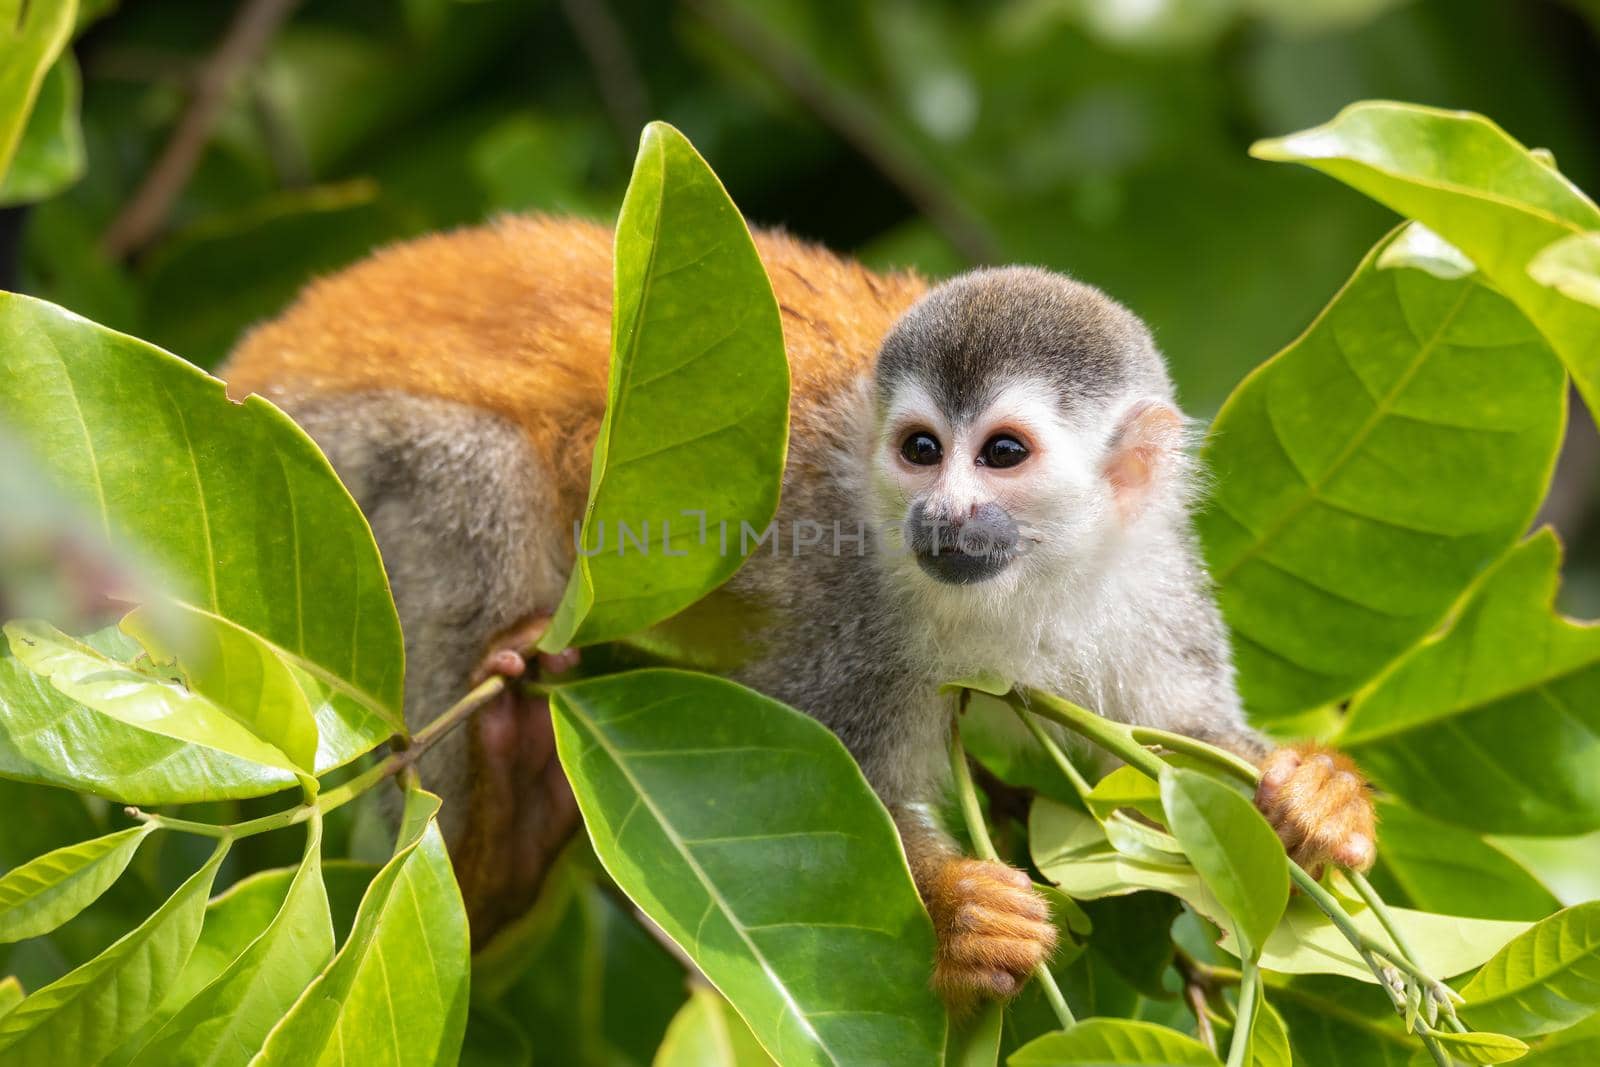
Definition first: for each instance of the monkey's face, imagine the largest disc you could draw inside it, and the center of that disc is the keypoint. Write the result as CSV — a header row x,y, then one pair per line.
x,y
1024,426
975,494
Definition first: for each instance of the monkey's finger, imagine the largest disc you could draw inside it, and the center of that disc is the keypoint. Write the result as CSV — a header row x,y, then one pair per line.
x,y
505,662
962,987
983,921
1014,955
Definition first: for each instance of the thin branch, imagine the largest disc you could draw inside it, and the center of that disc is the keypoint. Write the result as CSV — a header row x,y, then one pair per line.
x,y
622,88
858,123
143,216
979,832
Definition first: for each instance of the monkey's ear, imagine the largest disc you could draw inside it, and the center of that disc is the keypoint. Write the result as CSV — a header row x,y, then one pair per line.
x,y
1144,447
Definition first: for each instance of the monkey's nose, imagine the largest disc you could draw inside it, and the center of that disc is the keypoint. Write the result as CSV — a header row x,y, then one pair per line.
x,y
969,550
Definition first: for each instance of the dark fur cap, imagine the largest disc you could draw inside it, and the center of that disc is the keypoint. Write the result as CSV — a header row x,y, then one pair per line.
x,y
980,331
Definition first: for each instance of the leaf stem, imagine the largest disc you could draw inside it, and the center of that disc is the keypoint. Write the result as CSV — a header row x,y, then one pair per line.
x,y
1080,785
978,830
401,762
1245,1021
1222,759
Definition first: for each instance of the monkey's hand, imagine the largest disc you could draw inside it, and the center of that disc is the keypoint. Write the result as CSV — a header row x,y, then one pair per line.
x,y
993,929
1320,805
521,808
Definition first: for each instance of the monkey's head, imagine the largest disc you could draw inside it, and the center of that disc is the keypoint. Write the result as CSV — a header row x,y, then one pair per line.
x,y
1025,427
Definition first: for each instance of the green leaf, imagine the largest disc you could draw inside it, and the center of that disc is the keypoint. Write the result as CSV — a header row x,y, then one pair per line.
x,y
1470,182
1339,1025
699,396
1114,1043
40,895
229,1019
233,501
1434,866
48,738
1508,697
396,993
1234,850
1547,979
50,155
745,830
1571,266
707,1032
975,1040
1347,515
11,994
1072,851
31,37
86,1014
1480,1047
1575,1045
146,700
1270,1045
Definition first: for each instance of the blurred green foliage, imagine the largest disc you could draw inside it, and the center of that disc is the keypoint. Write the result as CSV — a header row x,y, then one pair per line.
x,y
1099,137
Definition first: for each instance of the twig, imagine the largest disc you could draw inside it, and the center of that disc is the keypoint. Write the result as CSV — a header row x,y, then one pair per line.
x,y
254,25
622,90
1080,785
858,123
396,763
1198,986
979,832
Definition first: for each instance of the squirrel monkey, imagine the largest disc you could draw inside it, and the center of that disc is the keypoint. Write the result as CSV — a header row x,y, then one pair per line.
x,y
1008,441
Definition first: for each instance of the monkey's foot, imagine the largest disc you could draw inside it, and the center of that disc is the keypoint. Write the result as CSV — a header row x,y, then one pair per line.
x,y
522,808
508,652
993,930
1320,805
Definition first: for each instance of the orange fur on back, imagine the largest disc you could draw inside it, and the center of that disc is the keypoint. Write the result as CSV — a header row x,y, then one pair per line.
x,y
515,317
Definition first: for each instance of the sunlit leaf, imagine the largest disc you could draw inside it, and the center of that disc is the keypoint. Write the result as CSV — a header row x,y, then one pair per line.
x,y
1431,865
1546,979
1121,1042
1480,1047
1235,851
1270,1044
11,994
50,154
235,504
744,829
87,1013
1347,514
146,700
396,993
47,737
40,895
1525,716
707,1032
1571,266
1474,185
30,40
227,1021
693,319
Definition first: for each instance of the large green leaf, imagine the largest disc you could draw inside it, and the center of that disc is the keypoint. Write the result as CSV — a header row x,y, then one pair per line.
x,y
89,1012
1114,1043
1571,266
228,1020
1350,508
1547,979
1233,849
1334,1024
697,413
50,154
1470,182
32,35
744,829
1072,850
233,501
40,895
396,993
47,737
1495,723
1434,866
707,1032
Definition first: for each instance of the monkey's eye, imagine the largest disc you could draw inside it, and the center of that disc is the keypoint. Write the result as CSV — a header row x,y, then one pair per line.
x,y
921,448
1002,450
